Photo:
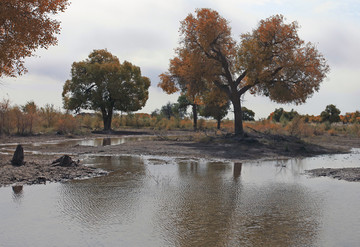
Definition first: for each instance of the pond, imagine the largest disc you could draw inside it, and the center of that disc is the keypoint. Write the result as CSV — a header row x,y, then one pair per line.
x,y
159,201
8,148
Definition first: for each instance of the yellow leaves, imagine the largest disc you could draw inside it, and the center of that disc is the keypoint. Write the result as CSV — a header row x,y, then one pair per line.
x,y
22,36
216,97
188,73
198,100
167,84
279,64
209,32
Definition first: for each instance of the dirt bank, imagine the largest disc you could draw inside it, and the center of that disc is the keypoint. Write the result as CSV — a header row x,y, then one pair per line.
x,y
348,174
39,171
186,144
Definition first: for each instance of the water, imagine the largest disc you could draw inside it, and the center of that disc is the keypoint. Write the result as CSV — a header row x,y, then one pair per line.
x,y
157,201
9,148
104,141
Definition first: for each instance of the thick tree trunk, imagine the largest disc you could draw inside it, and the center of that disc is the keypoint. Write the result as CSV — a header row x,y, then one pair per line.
x,y
107,118
238,124
218,123
107,122
194,108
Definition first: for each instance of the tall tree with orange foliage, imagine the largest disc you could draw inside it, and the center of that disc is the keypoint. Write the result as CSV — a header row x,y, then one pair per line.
x,y
186,74
271,60
26,25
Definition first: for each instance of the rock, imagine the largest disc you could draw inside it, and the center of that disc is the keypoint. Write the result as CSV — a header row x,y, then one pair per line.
x,y
18,158
40,180
65,161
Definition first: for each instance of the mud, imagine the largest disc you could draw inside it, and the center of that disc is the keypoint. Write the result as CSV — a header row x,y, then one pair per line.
x,y
35,172
347,174
181,144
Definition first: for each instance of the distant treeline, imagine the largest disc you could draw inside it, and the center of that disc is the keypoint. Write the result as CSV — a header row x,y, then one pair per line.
x,y
30,119
331,114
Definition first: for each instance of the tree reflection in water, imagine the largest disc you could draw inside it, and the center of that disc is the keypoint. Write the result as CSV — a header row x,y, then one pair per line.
x,y
237,170
203,204
100,201
106,141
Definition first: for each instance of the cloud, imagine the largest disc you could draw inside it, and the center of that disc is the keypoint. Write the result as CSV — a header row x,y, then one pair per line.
x,y
337,39
158,99
327,6
38,88
146,33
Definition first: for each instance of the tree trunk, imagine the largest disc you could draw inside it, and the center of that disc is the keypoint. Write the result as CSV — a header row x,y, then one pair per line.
x,y
238,124
107,118
107,122
218,123
194,108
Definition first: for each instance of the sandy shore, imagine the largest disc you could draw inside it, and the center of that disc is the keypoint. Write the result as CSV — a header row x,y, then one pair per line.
x,y
186,144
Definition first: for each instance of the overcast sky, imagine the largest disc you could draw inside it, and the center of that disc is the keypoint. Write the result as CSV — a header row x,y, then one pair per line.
x,y
145,32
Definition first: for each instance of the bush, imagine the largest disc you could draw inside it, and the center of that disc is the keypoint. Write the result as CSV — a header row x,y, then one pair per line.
x,y
67,124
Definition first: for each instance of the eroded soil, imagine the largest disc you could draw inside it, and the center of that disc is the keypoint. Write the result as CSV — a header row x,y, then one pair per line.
x,y
184,144
347,174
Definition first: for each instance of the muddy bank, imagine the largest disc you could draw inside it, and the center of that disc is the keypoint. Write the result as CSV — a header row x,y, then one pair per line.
x,y
187,144
347,174
183,144
40,172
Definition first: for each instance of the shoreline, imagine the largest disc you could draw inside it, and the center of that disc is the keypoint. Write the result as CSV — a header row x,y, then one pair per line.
x,y
185,144
351,174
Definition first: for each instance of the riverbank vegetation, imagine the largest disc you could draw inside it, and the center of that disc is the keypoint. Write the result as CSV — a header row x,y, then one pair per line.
x,y
30,119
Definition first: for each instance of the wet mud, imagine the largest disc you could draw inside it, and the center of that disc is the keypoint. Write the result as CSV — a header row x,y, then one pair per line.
x,y
347,174
41,151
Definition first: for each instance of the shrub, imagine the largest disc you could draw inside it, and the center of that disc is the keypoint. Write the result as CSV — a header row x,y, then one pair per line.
x,y
67,124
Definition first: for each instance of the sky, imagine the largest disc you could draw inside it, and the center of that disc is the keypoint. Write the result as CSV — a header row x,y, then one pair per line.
x,y
145,33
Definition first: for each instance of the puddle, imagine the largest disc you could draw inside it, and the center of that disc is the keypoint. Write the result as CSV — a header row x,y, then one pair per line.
x,y
161,201
9,148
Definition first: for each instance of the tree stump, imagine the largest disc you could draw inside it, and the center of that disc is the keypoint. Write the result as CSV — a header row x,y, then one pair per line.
x,y
65,161
18,158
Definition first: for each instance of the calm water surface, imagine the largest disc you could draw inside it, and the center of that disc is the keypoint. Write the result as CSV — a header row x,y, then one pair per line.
x,y
9,148
157,201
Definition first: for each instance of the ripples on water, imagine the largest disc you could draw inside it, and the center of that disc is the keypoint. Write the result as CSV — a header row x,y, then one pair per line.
x,y
157,201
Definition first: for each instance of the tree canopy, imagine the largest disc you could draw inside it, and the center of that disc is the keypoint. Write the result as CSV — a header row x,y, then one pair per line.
x,y
271,60
186,74
26,25
331,114
102,83
216,104
248,115
280,115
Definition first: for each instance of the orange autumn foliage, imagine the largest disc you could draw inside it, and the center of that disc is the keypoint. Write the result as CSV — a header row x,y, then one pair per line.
x,y
26,25
351,117
279,64
271,60
186,73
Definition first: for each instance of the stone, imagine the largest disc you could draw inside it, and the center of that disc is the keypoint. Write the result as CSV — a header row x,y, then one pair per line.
x,y
18,158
